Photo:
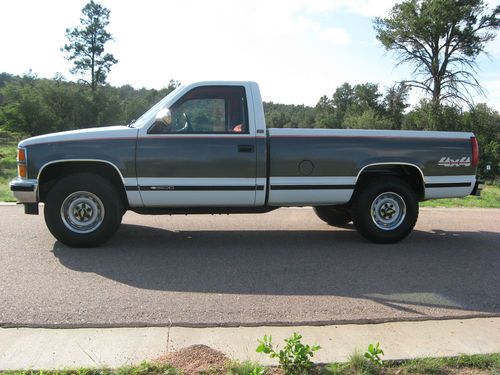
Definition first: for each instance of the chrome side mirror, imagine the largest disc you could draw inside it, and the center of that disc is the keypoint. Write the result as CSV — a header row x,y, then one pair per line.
x,y
164,116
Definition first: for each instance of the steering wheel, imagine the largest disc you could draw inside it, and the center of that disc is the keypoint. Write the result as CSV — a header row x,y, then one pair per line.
x,y
188,128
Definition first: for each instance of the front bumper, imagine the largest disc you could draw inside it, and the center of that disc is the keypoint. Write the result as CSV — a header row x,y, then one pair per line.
x,y
25,191
478,188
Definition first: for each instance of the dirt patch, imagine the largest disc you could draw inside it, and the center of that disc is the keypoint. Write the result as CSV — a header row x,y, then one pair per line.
x,y
469,371
275,371
196,359
444,371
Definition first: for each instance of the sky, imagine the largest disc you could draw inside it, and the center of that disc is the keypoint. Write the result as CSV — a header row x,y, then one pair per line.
x,y
297,50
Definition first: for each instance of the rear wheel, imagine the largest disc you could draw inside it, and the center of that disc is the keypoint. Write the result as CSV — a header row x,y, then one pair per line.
x,y
83,210
332,215
385,210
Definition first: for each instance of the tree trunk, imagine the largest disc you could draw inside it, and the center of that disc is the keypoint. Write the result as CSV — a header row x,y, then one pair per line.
x,y
436,92
436,105
92,72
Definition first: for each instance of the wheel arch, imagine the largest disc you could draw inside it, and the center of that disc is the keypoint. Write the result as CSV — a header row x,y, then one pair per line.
x,y
408,172
50,172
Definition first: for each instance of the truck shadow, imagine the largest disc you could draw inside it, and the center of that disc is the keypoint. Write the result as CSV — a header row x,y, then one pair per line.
x,y
456,270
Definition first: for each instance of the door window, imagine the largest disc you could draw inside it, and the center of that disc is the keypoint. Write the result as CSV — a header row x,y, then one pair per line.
x,y
208,110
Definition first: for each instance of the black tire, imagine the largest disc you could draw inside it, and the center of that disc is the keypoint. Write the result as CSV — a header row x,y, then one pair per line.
x,y
395,210
332,215
70,202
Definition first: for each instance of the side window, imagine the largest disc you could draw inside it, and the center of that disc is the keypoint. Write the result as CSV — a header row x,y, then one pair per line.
x,y
208,109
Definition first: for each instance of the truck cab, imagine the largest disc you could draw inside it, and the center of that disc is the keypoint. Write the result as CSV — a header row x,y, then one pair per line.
x,y
205,147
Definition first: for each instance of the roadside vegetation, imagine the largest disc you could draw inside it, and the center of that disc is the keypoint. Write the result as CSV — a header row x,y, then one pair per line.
x,y
357,365
490,198
8,168
295,358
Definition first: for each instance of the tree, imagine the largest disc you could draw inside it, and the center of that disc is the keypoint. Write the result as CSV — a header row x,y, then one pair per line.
x,y
32,106
427,116
368,119
325,113
367,96
86,45
441,39
343,98
25,110
395,103
485,123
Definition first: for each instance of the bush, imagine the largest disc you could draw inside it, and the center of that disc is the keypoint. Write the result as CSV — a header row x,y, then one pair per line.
x,y
294,358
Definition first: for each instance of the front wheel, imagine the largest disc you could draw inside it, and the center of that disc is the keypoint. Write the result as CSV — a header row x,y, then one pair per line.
x,y
83,210
385,210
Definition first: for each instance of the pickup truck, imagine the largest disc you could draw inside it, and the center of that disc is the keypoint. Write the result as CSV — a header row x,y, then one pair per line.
x,y
205,149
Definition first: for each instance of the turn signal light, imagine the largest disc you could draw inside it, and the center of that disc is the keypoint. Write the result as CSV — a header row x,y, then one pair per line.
x,y
21,154
21,170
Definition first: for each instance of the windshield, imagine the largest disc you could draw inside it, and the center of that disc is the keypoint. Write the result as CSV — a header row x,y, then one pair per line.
x,y
151,113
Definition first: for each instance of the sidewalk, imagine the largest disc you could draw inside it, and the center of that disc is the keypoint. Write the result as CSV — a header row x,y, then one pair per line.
x,y
35,348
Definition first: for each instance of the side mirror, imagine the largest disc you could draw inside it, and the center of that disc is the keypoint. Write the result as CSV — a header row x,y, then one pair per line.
x,y
164,116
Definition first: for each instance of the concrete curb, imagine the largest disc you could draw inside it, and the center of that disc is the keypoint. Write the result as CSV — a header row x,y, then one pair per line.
x,y
41,348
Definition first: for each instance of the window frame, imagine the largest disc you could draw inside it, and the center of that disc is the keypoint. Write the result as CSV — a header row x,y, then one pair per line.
x,y
227,110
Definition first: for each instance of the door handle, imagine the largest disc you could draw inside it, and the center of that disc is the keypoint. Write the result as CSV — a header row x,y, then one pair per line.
x,y
245,148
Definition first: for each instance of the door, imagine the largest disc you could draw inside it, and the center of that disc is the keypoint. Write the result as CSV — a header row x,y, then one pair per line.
x,y
204,157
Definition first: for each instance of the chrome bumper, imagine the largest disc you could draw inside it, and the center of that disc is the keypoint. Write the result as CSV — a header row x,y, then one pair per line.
x,y
25,191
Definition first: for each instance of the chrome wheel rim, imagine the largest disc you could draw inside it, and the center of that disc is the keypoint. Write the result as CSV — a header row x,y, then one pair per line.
x,y
388,211
82,212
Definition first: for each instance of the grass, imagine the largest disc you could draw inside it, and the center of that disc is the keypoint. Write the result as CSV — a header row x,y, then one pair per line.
x,y
489,363
245,368
357,365
8,169
145,368
490,198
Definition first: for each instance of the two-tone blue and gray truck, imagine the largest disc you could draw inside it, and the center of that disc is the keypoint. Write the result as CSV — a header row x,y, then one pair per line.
x,y
205,149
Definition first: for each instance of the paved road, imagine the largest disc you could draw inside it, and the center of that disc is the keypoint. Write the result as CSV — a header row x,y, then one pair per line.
x,y
282,267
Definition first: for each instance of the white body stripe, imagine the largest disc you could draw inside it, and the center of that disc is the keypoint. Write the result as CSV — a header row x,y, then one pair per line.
x,y
198,198
130,181
449,179
133,196
448,192
260,195
134,199
309,197
277,197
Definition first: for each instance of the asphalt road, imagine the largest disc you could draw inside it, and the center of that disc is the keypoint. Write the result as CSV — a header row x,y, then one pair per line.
x,y
283,267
